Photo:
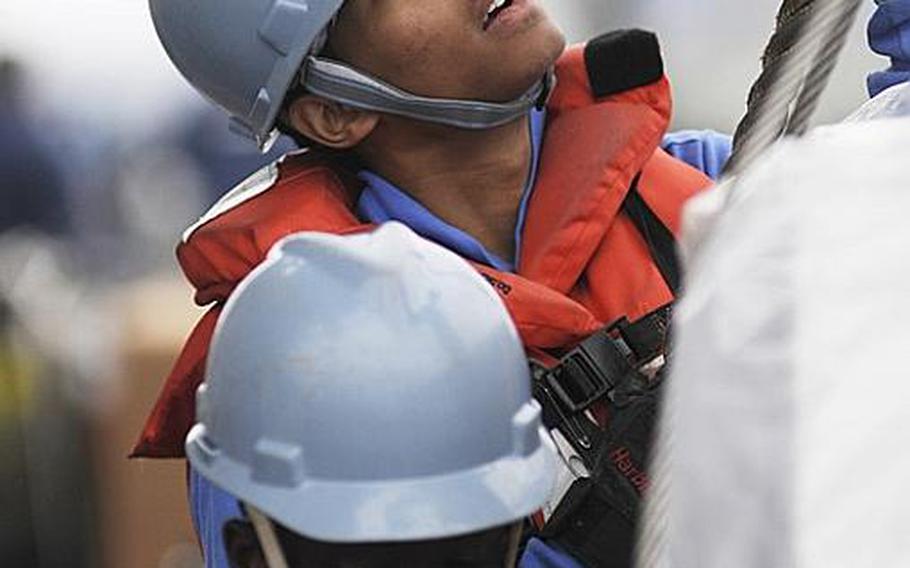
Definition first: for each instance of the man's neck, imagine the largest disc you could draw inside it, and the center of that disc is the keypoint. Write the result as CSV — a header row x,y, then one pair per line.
x,y
472,180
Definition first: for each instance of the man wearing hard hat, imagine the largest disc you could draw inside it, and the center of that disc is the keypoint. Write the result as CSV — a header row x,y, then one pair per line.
x,y
548,168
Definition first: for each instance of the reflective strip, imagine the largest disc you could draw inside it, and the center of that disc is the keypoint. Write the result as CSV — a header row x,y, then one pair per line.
x,y
260,182
341,83
249,188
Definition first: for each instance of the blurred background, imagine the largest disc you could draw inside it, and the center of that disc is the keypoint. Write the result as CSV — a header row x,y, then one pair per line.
x,y
105,156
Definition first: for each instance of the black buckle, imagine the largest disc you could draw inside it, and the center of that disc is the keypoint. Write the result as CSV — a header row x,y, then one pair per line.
x,y
593,371
589,372
556,417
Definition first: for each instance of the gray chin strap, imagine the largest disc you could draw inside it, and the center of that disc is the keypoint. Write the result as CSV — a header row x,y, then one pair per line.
x,y
343,84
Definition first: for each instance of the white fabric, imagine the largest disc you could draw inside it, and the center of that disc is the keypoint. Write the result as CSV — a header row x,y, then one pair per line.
x,y
893,102
791,399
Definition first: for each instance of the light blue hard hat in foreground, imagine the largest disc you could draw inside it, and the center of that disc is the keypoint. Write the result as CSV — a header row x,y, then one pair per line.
x,y
246,55
371,388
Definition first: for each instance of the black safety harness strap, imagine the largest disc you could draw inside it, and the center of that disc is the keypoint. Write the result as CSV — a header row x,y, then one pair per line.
x,y
618,367
599,368
660,239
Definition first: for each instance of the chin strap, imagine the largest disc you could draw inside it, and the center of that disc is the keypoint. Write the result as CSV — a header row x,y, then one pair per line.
x,y
346,85
268,540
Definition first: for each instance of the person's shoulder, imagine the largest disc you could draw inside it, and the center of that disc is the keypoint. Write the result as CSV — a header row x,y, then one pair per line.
x,y
704,150
297,180
299,193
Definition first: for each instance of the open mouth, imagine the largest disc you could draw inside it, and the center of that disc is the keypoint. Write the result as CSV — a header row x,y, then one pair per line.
x,y
494,10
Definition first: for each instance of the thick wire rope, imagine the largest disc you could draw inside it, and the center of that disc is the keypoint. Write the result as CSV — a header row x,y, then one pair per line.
x,y
796,67
792,18
820,73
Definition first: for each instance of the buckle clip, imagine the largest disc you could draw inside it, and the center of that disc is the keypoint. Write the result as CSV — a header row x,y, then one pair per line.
x,y
607,364
588,373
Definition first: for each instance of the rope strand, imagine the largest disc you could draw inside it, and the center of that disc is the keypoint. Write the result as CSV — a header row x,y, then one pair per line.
x,y
797,65
839,19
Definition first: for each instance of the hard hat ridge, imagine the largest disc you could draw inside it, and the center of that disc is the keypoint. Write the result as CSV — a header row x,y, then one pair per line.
x,y
242,54
395,261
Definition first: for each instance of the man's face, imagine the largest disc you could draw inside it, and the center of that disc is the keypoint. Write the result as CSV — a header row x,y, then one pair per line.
x,y
449,48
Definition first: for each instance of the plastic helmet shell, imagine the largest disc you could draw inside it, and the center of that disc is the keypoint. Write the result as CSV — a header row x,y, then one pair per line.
x,y
242,54
371,388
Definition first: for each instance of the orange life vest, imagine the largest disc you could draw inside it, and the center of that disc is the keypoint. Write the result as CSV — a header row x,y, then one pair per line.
x,y
583,263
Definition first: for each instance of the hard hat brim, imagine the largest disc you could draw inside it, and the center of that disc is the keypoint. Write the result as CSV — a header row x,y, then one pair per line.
x,y
493,494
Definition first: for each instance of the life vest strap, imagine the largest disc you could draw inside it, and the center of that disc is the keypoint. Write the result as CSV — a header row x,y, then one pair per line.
x,y
596,520
660,240
591,528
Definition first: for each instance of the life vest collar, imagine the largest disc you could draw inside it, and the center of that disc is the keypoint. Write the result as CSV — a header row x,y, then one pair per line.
x,y
610,124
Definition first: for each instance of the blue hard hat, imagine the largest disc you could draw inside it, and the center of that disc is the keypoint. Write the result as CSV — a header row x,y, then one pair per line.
x,y
371,388
244,55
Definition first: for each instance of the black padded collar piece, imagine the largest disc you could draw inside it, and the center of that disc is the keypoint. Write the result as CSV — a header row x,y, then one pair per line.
x,y
623,60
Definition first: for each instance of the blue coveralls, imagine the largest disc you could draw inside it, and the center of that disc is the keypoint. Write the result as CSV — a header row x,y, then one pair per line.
x,y
889,35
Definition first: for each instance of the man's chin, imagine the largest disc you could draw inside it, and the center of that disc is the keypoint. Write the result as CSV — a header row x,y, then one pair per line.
x,y
537,65
549,44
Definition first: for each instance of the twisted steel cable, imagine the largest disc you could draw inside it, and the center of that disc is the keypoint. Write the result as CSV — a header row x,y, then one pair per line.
x,y
840,22
796,67
770,97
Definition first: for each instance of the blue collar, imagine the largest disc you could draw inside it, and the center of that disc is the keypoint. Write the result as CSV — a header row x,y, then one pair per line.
x,y
381,201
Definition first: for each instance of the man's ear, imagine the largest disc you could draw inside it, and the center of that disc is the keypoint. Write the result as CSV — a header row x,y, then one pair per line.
x,y
329,123
242,546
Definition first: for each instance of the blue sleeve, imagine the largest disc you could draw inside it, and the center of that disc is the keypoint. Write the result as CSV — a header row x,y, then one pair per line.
x,y
704,150
541,555
889,35
211,508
